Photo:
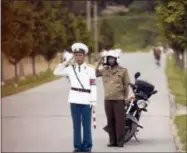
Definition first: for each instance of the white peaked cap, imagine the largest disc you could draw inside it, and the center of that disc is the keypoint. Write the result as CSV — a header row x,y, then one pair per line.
x,y
76,47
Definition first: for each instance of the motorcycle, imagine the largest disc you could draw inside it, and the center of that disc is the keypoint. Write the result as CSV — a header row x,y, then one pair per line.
x,y
142,92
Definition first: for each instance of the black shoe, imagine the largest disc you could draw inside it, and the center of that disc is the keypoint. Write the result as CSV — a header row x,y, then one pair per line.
x,y
89,151
120,145
77,151
112,145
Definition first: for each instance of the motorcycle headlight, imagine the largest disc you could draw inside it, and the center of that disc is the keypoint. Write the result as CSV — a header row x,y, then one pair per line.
x,y
141,104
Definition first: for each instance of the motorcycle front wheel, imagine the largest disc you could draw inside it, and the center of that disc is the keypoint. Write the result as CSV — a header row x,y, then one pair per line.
x,y
130,131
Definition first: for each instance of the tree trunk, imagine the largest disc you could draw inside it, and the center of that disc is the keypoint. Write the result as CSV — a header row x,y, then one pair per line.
x,y
2,72
185,59
16,71
89,58
61,57
21,69
182,60
179,59
34,65
49,64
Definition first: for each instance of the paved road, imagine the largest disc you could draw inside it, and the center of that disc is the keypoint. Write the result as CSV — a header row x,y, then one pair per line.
x,y
39,120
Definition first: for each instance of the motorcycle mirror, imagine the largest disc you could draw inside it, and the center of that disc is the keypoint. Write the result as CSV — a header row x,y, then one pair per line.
x,y
137,75
154,92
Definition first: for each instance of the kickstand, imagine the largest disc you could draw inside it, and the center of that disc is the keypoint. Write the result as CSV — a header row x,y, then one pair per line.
x,y
136,138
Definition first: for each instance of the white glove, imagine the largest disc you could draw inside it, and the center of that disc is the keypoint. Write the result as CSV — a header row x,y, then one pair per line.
x,y
68,61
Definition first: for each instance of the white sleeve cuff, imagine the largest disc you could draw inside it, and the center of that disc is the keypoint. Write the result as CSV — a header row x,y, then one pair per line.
x,y
93,103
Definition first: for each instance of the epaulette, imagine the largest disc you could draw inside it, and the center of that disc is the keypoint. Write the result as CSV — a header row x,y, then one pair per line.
x,y
90,65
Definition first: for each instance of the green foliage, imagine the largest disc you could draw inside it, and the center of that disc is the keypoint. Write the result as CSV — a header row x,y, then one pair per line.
x,y
138,6
40,27
135,31
106,37
82,34
171,17
176,81
17,39
180,122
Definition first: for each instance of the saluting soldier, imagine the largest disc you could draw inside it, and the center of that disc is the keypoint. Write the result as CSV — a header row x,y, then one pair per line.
x,y
82,96
115,80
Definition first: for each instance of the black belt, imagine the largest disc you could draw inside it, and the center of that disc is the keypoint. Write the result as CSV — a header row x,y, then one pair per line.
x,y
81,90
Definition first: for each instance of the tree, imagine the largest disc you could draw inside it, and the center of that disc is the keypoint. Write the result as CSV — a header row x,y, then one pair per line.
x,y
83,35
55,38
171,15
138,6
38,32
81,32
54,41
106,38
17,25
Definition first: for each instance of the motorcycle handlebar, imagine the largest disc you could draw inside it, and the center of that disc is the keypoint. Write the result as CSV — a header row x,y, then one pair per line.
x,y
132,85
154,92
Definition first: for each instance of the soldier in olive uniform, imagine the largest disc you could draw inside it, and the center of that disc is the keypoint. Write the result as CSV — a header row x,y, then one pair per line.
x,y
116,80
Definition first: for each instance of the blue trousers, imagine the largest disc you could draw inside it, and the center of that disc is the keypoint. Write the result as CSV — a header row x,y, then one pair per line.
x,y
81,114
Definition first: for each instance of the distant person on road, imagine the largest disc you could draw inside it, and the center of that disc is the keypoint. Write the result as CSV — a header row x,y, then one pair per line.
x,y
115,80
157,53
82,96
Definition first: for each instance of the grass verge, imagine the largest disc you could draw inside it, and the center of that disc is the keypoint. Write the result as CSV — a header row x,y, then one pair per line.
x,y
177,84
27,83
180,122
176,81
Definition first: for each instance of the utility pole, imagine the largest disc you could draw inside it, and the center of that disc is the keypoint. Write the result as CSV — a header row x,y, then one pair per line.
x,y
88,14
95,27
185,35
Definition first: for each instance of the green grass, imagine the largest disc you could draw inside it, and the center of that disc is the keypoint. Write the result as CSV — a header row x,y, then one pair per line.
x,y
177,84
180,122
27,83
176,81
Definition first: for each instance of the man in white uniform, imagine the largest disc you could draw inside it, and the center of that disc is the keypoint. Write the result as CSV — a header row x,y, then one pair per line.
x,y
82,95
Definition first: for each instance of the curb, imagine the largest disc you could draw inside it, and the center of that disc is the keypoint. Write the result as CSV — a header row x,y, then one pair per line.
x,y
176,138
173,106
174,130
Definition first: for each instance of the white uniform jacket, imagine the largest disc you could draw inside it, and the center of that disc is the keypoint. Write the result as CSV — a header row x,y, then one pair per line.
x,y
88,79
